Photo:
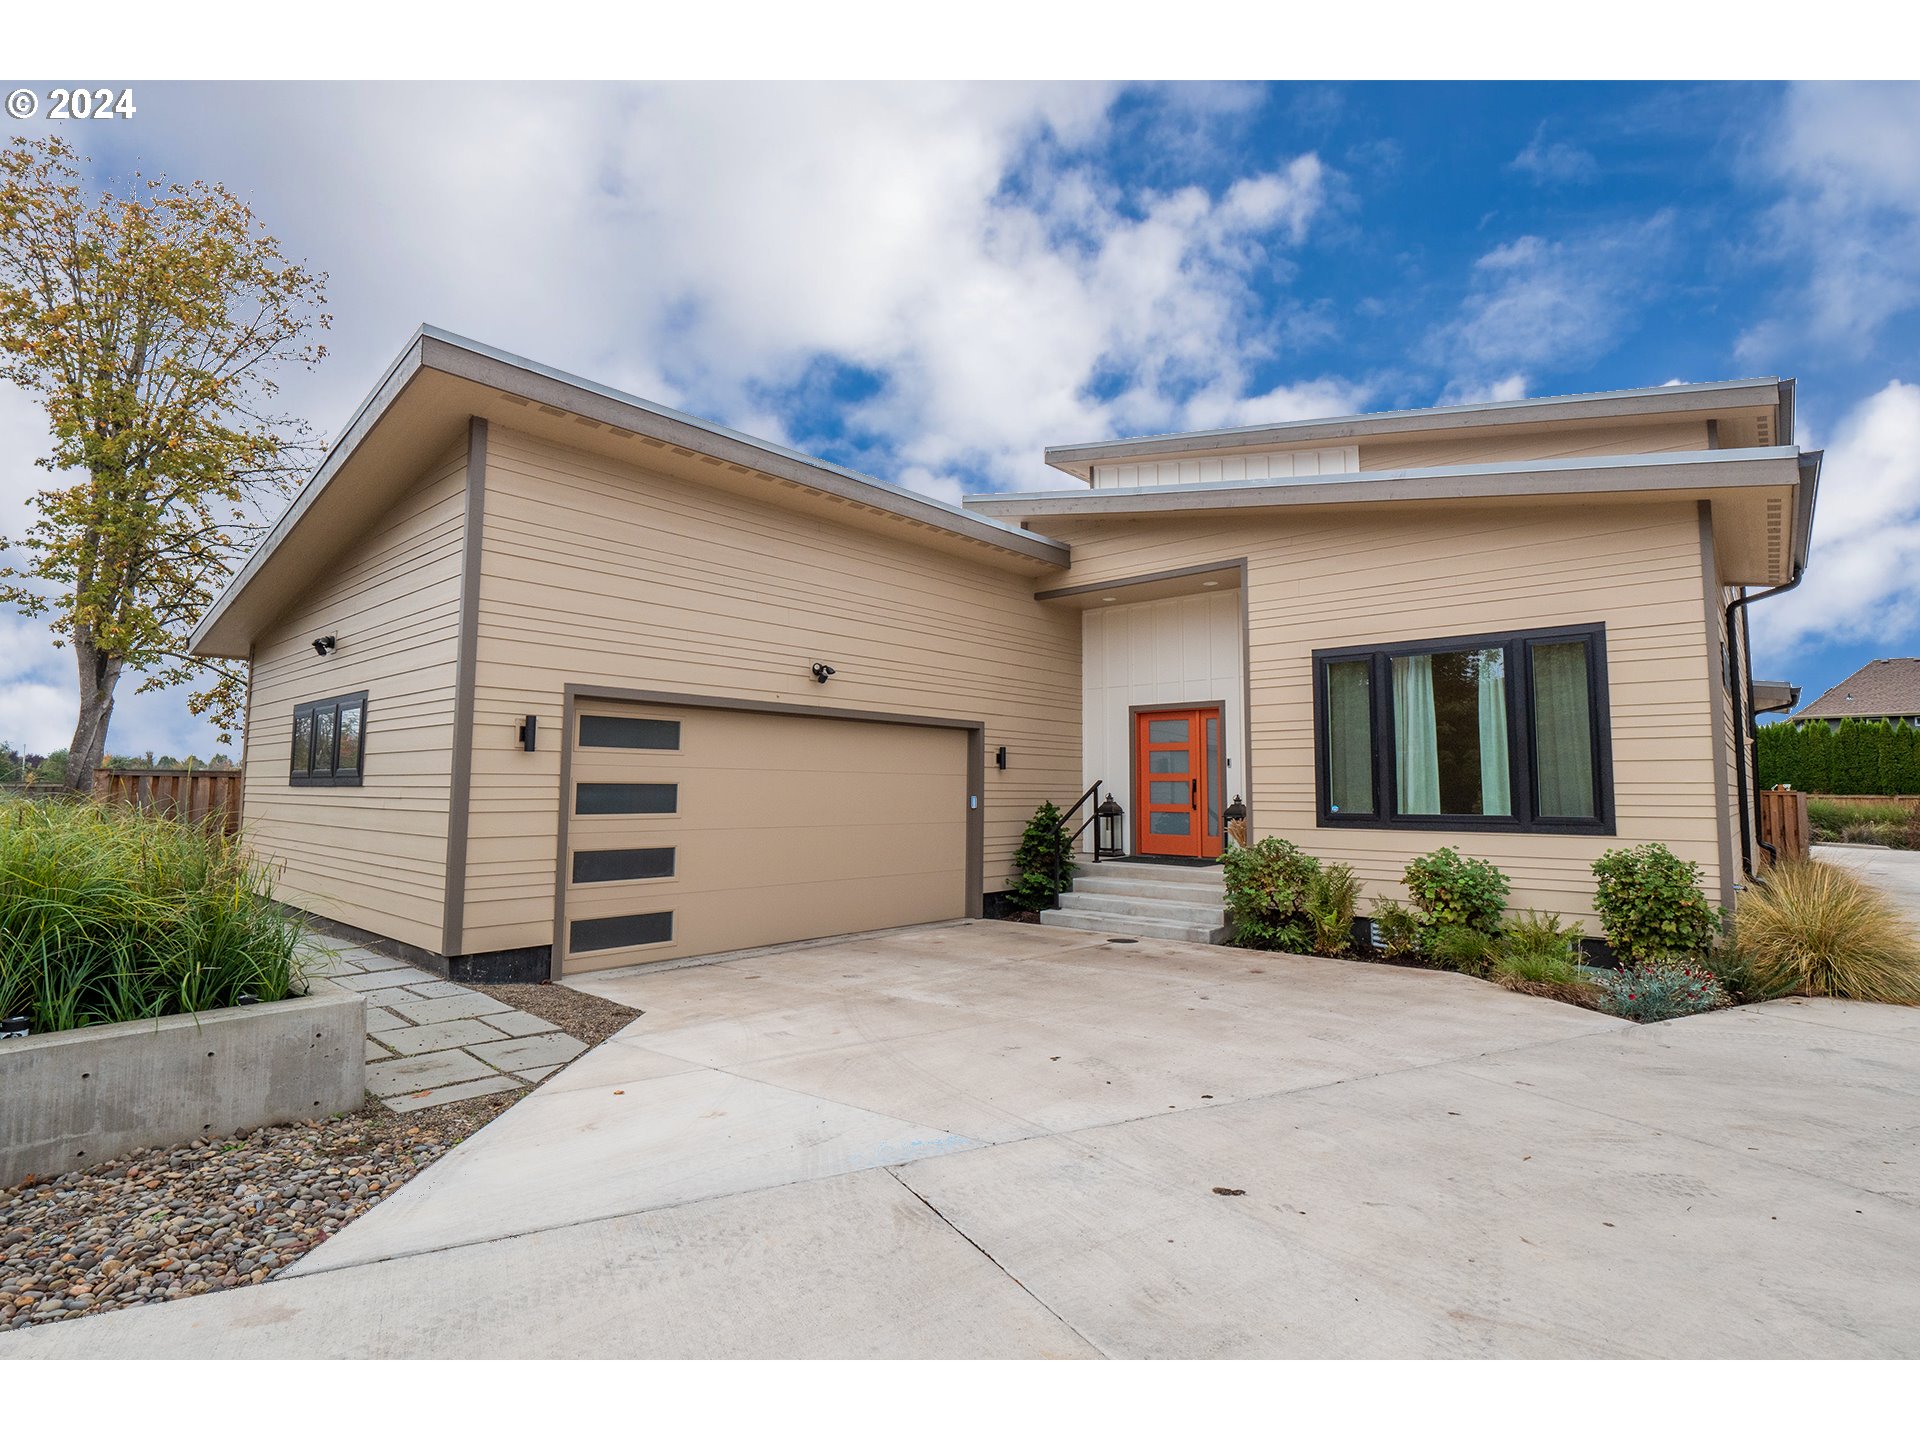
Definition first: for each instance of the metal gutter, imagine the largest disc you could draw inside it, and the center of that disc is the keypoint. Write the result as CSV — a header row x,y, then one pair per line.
x,y
1578,475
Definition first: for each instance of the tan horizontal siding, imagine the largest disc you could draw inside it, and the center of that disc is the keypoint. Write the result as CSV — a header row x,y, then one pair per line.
x,y
373,855
600,573
1324,580
1557,443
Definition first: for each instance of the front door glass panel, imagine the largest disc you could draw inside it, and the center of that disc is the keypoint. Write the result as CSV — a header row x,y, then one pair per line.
x,y
1178,757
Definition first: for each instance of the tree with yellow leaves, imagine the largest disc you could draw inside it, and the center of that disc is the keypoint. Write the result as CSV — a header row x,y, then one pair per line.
x,y
148,323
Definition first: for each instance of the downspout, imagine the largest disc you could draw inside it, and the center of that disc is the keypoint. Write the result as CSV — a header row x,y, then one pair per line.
x,y
1745,723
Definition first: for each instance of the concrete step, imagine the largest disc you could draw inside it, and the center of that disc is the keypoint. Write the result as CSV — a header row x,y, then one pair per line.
x,y
1150,874
1098,882
1135,926
1179,912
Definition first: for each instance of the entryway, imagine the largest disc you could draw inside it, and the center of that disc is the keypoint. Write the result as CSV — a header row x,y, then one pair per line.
x,y
1179,781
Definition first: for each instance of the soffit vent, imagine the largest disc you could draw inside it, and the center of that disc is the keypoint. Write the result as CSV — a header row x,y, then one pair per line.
x,y
1776,537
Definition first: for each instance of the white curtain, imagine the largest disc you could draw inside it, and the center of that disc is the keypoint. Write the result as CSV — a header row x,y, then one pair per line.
x,y
1495,771
1563,732
1416,741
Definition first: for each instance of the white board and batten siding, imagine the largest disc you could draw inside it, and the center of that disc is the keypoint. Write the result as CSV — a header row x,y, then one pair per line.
x,y
1187,650
1208,469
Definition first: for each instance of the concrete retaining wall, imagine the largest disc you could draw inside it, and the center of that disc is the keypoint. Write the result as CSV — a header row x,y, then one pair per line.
x,y
78,1097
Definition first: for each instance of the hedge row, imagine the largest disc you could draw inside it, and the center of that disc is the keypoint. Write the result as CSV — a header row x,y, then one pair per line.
x,y
1862,757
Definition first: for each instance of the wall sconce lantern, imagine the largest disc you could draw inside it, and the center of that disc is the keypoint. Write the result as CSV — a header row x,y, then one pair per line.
x,y
1000,758
529,728
1109,835
325,646
1236,817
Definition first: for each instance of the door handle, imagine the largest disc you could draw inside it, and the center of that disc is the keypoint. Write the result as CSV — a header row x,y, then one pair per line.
x,y
1193,793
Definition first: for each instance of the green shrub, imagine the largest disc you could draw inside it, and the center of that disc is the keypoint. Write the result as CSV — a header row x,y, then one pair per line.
x,y
1650,904
1459,947
1268,885
1332,896
1448,889
110,915
1661,988
1539,950
1399,930
1037,882
1816,929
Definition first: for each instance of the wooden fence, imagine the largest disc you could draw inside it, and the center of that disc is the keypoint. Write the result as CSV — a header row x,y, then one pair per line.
x,y
196,795
1783,824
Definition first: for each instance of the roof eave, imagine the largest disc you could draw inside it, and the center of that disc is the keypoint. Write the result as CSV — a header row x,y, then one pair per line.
x,y
1078,459
439,350
1517,479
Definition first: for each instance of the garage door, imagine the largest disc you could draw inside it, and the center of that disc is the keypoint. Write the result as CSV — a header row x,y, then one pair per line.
x,y
694,831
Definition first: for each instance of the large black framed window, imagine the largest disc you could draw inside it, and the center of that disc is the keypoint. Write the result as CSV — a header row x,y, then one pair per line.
x,y
329,741
1471,732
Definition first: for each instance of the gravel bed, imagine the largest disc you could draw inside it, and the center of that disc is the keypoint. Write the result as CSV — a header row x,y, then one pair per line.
x,y
162,1223
585,1017
159,1224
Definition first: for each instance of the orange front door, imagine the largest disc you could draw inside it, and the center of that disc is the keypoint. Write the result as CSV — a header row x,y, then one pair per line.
x,y
1178,781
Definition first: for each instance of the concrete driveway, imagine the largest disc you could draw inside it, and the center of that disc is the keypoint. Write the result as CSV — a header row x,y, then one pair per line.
x,y
995,1140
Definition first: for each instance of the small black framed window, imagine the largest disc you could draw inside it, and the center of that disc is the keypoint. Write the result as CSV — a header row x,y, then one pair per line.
x,y
329,741
629,732
1472,732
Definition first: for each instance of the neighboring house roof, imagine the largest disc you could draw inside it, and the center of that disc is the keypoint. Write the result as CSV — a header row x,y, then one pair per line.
x,y
1877,689
1766,405
422,405
1770,696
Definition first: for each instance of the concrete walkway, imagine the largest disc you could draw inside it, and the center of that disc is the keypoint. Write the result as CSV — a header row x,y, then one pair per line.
x,y
996,1140
431,1042
1897,872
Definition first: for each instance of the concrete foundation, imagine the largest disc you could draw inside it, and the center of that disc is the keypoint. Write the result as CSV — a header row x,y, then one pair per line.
x,y
77,1097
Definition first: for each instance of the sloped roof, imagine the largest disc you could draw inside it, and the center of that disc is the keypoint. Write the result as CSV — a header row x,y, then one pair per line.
x,y
1878,688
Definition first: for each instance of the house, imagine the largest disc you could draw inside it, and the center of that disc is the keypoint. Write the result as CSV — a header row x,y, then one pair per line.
x,y
547,678
1878,690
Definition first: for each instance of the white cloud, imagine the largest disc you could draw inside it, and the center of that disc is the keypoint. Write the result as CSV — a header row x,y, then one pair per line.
x,y
1849,222
1507,387
1536,304
715,246
1555,161
1863,577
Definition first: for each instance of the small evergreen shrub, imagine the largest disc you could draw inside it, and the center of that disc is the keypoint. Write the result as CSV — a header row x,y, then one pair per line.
x,y
1449,889
1268,886
1042,845
1650,904
1399,930
1661,988
1332,896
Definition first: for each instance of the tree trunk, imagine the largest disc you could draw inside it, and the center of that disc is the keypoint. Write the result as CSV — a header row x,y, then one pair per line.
x,y
98,675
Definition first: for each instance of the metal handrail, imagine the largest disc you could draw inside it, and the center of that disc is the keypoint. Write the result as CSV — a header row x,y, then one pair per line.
x,y
1092,792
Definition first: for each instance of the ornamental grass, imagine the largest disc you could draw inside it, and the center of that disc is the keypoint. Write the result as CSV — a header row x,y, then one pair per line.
x,y
1816,929
109,914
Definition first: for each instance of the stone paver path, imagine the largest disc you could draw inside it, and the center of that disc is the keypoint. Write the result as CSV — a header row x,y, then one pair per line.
x,y
431,1042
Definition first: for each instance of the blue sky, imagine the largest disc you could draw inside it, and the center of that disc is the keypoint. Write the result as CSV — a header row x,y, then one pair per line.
x,y
932,282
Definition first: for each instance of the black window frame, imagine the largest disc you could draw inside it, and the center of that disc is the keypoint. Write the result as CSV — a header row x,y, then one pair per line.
x,y
1523,783
333,776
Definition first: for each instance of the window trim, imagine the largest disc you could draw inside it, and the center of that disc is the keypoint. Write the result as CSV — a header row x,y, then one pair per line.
x,y
1523,782
333,777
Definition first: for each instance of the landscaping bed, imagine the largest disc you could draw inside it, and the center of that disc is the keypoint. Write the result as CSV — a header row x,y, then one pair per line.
x,y
164,1223
209,1215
